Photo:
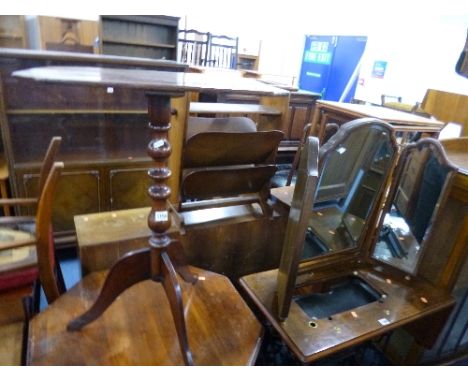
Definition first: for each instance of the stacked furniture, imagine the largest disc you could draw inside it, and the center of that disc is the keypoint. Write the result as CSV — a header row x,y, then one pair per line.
x,y
102,131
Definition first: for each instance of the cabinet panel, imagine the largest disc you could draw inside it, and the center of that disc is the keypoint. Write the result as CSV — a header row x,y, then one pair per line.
x,y
86,137
129,188
78,192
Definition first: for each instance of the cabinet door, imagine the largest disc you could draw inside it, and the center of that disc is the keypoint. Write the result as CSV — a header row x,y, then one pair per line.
x,y
78,192
129,188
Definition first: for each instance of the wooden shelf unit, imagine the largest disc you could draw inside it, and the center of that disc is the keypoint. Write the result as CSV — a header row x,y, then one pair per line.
x,y
140,36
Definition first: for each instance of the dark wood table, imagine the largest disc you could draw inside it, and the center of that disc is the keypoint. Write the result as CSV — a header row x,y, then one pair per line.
x,y
222,330
340,112
138,328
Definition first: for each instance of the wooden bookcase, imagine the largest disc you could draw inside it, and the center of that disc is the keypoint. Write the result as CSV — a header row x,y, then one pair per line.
x,y
140,36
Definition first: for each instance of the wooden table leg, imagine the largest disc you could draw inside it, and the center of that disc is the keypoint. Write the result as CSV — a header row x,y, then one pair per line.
x,y
154,262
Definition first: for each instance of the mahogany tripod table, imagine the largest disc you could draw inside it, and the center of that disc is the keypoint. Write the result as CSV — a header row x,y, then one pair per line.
x,y
234,337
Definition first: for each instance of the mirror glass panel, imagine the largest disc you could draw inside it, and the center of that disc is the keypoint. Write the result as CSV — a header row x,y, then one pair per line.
x,y
354,167
421,179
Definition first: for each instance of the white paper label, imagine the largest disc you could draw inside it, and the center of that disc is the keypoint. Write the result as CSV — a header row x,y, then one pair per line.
x,y
162,216
383,321
159,143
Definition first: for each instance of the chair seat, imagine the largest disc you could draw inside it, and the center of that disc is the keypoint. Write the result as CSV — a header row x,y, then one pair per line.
x,y
18,267
18,257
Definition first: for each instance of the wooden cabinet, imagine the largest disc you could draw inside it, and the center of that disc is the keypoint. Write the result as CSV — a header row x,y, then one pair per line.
x,y
63,34
12,31
140,36
104,132
247,62
404,124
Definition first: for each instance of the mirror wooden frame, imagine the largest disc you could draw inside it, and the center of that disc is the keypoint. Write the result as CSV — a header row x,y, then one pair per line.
x,y
435,148
303,201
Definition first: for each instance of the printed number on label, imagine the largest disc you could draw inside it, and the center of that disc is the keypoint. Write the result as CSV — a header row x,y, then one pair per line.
x,y
162,216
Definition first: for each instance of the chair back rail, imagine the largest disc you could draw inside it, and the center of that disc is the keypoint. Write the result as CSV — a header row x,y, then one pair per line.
x,y
224,149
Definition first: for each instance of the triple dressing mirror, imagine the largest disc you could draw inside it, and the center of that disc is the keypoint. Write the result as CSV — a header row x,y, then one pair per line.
x,y
331,211
338,221
376,281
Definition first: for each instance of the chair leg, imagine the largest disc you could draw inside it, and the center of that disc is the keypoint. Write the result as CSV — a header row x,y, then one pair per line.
x,y
31,305
36,303
129,270
24,343
266,210
174,295
59,276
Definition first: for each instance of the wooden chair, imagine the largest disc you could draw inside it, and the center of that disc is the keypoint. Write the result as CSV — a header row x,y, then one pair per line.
x,y
4,174
193,47
287,177
226,163
24,267
46,166
222,52
18,266
27,261
197,125
206,49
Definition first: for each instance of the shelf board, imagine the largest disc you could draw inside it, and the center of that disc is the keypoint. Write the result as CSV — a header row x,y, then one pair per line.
x,y
92,158
74,111
232,108
195,108
137,43
11,36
